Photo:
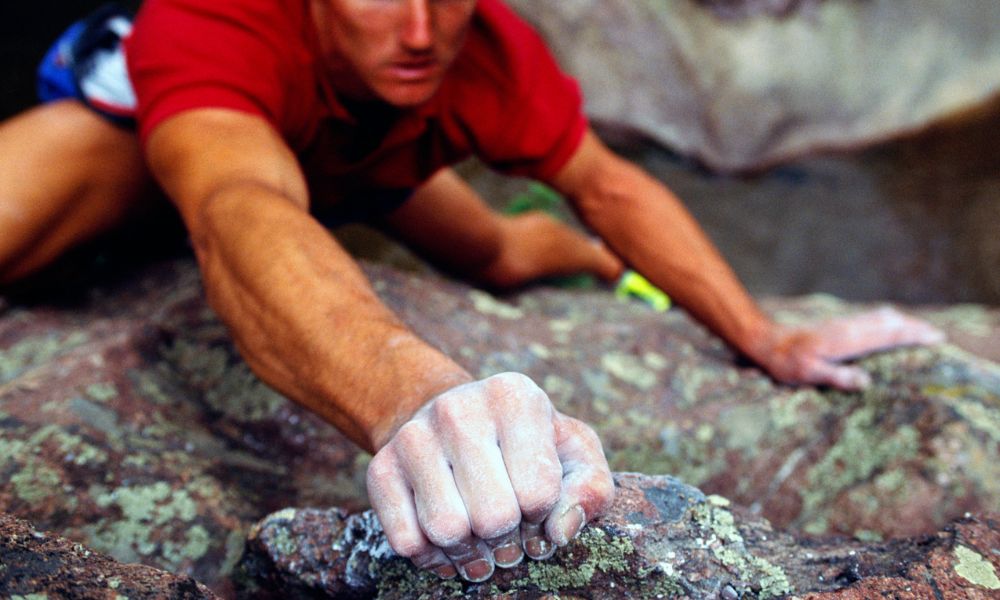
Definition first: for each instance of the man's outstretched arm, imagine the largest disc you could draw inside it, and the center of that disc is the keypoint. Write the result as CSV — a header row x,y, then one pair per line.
x,y
645,224
466,473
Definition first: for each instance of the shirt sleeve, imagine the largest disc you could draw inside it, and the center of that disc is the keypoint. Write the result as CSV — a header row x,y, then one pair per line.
x,y
186,54
527,118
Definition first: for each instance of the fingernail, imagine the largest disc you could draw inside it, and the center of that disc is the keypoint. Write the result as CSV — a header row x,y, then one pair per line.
x,y
477,570
446,572
539,548
508,556
569,524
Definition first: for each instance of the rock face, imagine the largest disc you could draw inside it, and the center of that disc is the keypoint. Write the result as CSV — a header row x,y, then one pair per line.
x,y
741,84
660,539
34,566
128,423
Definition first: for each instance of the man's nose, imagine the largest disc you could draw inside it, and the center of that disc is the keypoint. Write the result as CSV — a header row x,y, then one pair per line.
x,y
418,33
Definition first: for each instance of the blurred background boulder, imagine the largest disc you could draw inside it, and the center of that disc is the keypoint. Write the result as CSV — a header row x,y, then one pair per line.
x,y
745,84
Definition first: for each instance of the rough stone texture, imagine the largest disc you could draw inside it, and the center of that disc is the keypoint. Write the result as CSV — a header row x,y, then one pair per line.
x,y
662,538
128,423
36,566
742,93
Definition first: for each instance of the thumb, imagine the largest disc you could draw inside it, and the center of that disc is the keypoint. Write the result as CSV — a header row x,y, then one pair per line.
x,y
587,486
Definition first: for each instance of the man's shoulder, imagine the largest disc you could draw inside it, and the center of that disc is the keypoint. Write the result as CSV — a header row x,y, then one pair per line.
x,y
255,15
508,99
248,55
500,48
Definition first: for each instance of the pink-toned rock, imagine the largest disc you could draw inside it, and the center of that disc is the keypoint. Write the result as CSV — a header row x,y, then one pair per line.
x,y
36,565
128,422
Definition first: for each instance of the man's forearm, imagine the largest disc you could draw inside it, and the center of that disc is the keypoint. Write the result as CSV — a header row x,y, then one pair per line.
x,y
646,225
306,320
642,221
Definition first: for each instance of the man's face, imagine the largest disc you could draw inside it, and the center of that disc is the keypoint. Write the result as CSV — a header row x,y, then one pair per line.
x,y
394,50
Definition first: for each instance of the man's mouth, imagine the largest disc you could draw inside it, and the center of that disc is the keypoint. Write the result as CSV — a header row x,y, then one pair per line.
x,y
414,69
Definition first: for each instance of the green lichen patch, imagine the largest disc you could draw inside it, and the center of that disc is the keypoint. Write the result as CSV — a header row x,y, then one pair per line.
x,y
195,545
240,394
34,351
862,450
976,569
980,417
690,383
36,482
971,319
230,387
155,520
629,369
32,463
746,427
488,305
689,455
283,542
150,388
728,547
601,553
398,578
102,392
794,410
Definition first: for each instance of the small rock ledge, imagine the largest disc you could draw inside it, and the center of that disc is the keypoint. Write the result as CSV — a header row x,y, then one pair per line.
x,y
662,538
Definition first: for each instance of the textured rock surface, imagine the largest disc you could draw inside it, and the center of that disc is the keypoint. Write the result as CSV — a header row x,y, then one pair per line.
x,y
661,539
128,423
739,93
36,566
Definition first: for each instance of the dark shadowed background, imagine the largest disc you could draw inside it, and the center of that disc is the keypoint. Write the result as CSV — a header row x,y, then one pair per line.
x,y
28,29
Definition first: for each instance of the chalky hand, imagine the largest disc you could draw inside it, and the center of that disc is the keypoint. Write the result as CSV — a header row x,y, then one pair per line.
x,y
485,473
812,355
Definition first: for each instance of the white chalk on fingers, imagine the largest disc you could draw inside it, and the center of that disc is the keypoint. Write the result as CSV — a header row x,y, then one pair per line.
x,y
566,525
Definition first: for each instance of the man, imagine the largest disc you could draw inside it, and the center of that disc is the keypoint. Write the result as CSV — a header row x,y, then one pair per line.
x,y
252,113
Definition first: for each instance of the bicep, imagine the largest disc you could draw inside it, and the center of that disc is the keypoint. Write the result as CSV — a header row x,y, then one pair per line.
x,y
197,154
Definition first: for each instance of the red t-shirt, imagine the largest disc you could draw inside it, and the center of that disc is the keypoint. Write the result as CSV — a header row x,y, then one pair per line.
x,y
504,99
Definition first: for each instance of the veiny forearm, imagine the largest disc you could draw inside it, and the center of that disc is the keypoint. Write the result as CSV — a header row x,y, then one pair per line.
x,y
306,320
642,221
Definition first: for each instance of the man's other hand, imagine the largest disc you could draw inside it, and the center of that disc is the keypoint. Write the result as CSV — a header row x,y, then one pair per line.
x,y
812,355
485,473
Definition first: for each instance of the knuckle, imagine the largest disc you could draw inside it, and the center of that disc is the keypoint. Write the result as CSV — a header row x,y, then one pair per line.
x,y
447,529
382,467
452,410
539,502
505,386
413,434
539,494
496,523
588,435
408,544
583,433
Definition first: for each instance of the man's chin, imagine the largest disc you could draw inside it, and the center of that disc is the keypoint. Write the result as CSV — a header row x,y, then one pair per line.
x,y
408,94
